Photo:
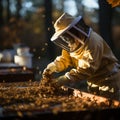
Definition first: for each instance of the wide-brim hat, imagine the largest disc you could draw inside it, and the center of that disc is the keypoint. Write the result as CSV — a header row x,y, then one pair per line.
x,y
64,23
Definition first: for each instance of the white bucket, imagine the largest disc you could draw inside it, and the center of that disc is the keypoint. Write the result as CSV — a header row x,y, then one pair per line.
x,y
23,60
23,51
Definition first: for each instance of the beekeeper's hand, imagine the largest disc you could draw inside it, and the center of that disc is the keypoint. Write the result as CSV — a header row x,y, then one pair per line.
x,y
51,68
72,75
62,80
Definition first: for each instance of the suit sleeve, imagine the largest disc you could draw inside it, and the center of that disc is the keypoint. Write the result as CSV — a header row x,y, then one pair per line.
x,y
89,61
63,62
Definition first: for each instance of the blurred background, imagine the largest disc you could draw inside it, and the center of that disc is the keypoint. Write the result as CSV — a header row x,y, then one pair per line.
x,y
30,23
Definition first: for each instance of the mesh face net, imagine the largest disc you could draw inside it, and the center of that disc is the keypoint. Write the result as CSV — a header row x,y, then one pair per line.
x,y
78,32
62,43
65,39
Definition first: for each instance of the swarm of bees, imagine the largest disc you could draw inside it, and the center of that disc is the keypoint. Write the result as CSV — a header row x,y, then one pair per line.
x,y
43,96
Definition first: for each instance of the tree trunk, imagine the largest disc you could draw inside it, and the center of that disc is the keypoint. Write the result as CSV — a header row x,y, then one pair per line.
x,y
105,21
18,7
8,11
80,7
1,13
49,28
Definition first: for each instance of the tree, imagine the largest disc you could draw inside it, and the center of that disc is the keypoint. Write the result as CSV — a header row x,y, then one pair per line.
x,y
8,11
49,27
105,21
18,7
79,7
1,13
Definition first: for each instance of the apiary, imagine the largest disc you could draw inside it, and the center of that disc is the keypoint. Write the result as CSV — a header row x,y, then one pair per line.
x,y
42,100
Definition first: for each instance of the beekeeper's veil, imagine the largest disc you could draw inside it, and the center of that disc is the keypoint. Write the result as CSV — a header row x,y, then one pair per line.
x,y
67,28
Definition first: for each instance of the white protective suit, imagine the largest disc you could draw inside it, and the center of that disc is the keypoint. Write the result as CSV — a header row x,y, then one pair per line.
x,y
95,62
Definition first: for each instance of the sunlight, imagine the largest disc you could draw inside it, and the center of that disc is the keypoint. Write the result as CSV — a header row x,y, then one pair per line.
x,y
90,3
70,7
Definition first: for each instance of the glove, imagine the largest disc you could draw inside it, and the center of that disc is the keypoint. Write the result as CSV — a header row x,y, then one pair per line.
x,y
49,70
62,80
72,75
46,73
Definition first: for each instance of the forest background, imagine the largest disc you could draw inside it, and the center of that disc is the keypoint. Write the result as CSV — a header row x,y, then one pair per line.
x,y
30,22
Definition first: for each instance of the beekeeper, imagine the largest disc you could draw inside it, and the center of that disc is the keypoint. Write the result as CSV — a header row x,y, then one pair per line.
x,y
88,56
